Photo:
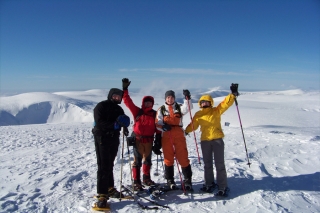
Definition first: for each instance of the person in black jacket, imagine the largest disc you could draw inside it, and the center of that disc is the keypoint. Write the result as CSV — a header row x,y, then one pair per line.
x,y
109,117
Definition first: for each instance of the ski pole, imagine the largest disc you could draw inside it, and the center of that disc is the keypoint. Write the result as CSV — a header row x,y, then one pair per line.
x,y
162,166
174,151
194,134
245,146
134,197
157,172
121,163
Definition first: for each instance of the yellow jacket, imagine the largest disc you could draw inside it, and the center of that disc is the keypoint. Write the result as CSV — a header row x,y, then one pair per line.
x,y
209,119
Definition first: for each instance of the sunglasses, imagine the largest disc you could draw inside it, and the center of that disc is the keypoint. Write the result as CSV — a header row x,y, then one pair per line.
x,y
204,101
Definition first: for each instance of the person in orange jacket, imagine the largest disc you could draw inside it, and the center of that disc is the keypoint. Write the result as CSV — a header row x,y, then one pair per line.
x,y
144,130
169,122
212,144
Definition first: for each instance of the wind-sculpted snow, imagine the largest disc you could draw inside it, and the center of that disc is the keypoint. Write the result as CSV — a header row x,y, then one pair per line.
x,y
51,167
39,108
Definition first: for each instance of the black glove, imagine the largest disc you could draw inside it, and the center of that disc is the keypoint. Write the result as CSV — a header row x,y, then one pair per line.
x,y
125,131
187,94
166,127
123,120
125,83
157,145
156,151
157,141
234,89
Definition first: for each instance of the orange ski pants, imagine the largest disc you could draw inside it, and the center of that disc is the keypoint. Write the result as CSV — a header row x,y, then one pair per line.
x,y
174,145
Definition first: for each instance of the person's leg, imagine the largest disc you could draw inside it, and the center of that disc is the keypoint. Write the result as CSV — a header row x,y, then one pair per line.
x,y
105,157
136,166
181,151
207,155
218,149
146,164
168,153
113,143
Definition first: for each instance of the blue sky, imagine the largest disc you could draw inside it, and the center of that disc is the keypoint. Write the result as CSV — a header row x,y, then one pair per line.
x,y
63,45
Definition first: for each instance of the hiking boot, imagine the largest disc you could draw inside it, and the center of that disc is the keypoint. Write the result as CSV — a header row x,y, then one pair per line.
x,y
114,193
172,185
188,185
209,188
149,182
137,185
187,173
102,201
223,192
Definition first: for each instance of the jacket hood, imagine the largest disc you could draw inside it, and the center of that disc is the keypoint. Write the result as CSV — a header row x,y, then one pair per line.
x,y
206,98
145,98
115,91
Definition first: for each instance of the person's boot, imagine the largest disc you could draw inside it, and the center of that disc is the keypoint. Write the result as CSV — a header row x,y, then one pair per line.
x,y
168,173
114,193
101,202
146,175
187,173
223,192
136,178
209,188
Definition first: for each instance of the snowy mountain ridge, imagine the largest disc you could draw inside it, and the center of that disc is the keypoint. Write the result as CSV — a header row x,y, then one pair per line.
x,y
77,106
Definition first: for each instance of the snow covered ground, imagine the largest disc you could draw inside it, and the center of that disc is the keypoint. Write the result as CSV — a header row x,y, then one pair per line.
x,y
49,163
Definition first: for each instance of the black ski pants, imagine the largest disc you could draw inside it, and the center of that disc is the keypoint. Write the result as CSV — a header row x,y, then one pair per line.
x,y
106,151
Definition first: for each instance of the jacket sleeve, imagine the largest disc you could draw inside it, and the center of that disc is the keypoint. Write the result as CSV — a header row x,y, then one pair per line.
x,y
226,103
159,120
194,124
185,106
129,103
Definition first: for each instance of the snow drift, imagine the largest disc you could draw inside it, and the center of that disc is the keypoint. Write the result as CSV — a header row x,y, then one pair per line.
x,y
39,108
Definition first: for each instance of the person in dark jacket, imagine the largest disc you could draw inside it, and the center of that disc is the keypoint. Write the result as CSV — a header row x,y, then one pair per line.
x,y
109,117
144,129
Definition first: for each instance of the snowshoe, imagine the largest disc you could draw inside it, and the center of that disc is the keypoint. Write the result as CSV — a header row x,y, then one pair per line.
x,y
209,188
155,192
188,185
101,204
171,184
222,193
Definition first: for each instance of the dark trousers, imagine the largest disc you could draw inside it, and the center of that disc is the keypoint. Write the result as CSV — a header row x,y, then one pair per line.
x,y
106,151
214,149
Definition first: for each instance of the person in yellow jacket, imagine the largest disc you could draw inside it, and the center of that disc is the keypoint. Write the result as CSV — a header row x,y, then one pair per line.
x,y
212,144
169,122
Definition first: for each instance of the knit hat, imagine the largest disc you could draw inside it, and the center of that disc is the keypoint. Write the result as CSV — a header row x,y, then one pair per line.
x,y
169,93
